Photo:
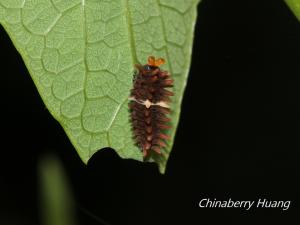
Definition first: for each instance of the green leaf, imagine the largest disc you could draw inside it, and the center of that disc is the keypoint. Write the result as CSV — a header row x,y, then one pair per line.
x,y
294,6
80,54
57,205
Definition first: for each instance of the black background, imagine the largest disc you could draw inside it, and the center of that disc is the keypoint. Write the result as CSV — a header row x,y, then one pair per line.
x,y
238,135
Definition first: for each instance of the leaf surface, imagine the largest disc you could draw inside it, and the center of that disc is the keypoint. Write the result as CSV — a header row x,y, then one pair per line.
x,y
80,55
56,203
294,6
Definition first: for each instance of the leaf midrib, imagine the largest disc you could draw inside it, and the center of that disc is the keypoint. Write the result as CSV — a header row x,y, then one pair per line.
x,y
130,31
133,55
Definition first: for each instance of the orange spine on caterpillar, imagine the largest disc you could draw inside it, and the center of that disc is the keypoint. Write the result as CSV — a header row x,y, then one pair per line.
x,y
149,106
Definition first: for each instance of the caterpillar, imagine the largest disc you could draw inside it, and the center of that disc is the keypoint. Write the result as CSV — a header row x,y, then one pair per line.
x,y
149,105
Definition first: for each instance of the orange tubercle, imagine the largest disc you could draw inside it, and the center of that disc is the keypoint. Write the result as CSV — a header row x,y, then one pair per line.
x,y
151,60
155,62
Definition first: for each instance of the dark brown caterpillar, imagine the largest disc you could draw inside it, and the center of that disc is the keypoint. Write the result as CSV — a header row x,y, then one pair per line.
x,y
149,105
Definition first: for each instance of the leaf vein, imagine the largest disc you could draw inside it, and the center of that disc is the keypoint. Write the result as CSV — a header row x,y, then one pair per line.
x,y
130,31
164,35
